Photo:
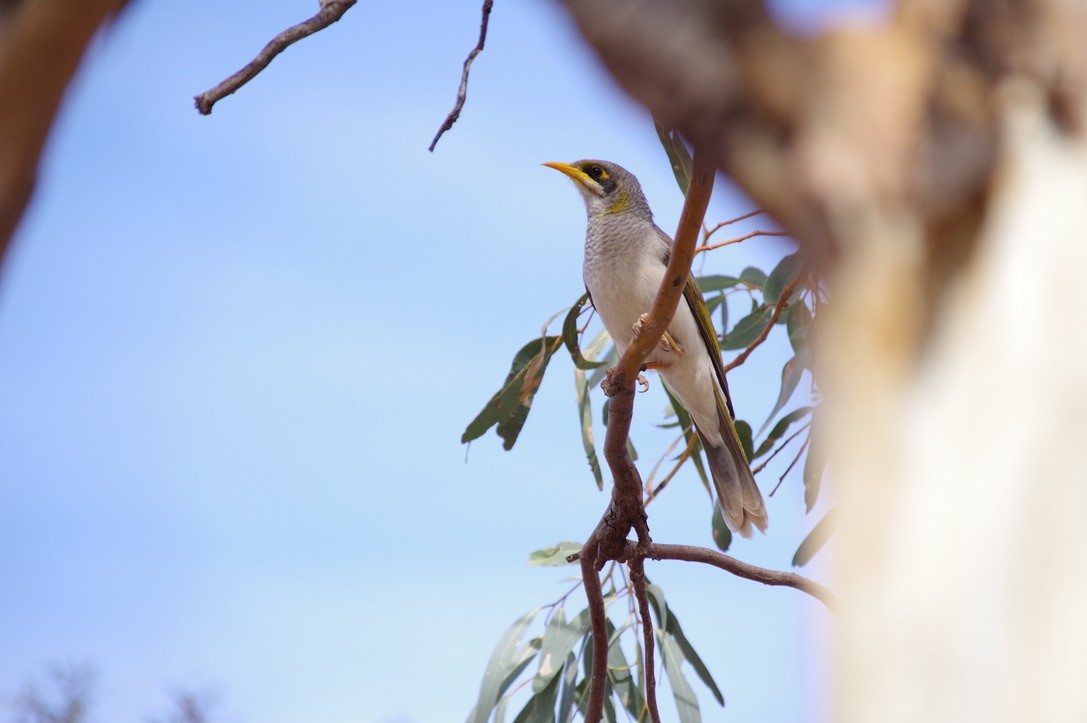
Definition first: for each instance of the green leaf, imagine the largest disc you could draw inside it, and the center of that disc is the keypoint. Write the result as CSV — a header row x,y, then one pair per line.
x,y
815,540
570,337
541,707
798,320
782,274
506,658
722,536
585,413
667,620
743,431
715,282
813,471
568,694
747,329
558,641
686,701
687,424
755,278
791,375
780,429
509,407
678,156
609,360
554,556
623,683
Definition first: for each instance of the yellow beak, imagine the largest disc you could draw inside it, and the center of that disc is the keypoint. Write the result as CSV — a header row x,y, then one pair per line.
x,y
578,176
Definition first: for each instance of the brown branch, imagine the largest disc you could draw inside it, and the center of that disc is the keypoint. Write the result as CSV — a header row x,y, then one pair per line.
x,y
738,239
707,233
626,509
637,579
783,300
462,90
784,444
330,12
692,553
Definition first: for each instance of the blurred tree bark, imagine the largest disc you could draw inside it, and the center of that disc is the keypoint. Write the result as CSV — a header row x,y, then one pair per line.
x,y
935,166
41,45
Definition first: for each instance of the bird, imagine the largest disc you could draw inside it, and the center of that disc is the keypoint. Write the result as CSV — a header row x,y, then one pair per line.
x,y
626,255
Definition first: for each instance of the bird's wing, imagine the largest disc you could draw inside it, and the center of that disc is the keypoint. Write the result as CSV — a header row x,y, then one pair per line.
x,y
692,295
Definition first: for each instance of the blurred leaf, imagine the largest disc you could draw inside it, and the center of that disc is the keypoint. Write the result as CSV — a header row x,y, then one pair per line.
x,y
585,413
813,470
568,694
667,620
623,682
780,429
554,556
507,658
722,536
747,329
716,282
782,274
743,431
753,277
631,451
791,375
609,360
509,407
678,156
570,336
558,641
815,540
798,320
687,424
686,701
541,707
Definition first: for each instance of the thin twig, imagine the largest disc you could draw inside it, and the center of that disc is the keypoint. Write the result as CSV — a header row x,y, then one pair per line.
x,y
330,12
692,553
738,239
792,464
462,90
784,444
778,308
718,227
680,461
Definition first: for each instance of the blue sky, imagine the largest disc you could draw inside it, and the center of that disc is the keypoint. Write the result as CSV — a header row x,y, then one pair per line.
x,y
237,354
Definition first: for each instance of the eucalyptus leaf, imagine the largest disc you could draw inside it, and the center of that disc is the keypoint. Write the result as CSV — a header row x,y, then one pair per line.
x,y
781,275
753,277
687,424
568,691
686,701
716,282
570,335
780,429
747,329
798,320
623,683
678,155
509,407
815,540
554,556
743,431
667,621
813,470
504,660
791,374
558,641
540,707
722,536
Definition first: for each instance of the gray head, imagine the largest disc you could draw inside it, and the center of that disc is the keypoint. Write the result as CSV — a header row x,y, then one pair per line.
x,y
607,188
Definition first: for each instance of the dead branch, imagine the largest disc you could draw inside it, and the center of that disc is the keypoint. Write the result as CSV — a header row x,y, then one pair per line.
x,y
462,90
330,12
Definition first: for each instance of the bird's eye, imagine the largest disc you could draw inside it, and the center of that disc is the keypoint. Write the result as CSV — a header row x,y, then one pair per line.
x,y
596,172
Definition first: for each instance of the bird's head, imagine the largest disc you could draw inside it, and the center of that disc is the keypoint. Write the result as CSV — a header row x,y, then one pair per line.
x,y
607,188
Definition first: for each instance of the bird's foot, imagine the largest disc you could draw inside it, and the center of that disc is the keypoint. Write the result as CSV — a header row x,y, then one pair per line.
x,y
643,382
668,343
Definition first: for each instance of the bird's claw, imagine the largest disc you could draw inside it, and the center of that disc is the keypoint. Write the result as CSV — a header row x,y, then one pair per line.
x,y
643,382
667,342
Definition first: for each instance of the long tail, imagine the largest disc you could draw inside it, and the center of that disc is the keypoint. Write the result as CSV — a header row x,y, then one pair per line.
x,y
737,493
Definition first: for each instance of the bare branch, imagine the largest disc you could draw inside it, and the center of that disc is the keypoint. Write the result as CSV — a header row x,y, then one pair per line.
x,y
330,12
637,579
692,553
462,91
738,239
